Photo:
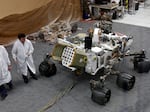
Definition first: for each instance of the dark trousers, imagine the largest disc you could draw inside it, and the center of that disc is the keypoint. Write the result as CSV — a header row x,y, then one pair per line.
x,y
3,90
31,73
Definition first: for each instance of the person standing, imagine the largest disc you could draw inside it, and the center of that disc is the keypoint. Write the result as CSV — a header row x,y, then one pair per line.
x,y
22,54
5,75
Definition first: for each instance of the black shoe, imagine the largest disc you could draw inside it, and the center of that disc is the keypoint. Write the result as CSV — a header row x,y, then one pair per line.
x,y
34,76
3,96
25,78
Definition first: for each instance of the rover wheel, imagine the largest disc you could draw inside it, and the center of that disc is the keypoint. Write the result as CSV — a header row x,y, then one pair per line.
x,y
125,81
101,96
143,66
47,69
136,60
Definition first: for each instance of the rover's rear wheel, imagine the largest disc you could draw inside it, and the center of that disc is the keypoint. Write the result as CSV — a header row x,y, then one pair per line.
x,y
136,60
101,96
47,69
125,81
143,66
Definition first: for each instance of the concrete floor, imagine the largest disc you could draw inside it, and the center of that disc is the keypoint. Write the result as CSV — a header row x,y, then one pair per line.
x,y
140,17
35,95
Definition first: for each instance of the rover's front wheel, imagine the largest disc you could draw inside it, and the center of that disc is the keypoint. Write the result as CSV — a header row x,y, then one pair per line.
x,y
47,69
101,95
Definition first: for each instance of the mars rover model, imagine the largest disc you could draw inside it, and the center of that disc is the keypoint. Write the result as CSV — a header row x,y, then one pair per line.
x,y
96,54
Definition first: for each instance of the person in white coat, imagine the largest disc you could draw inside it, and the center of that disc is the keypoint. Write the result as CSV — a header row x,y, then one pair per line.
x,y
5,75
22,54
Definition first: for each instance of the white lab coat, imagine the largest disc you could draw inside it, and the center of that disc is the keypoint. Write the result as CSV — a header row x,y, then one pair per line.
x,y
22,54
5,76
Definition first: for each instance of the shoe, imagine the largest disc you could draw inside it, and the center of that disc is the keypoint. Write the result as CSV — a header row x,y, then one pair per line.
x,y
3,96
34,76
25,78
